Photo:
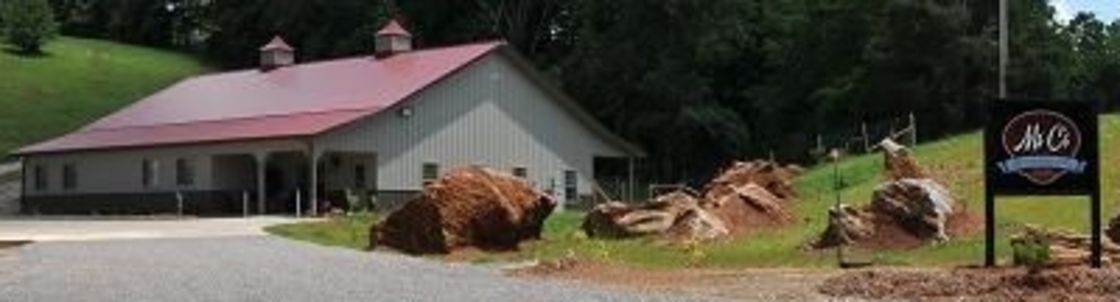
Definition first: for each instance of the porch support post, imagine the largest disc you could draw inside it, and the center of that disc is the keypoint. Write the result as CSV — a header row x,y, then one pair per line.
x,y
262,164
313,183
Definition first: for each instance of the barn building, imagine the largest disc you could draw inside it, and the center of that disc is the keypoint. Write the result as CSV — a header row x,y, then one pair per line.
x,y
252,141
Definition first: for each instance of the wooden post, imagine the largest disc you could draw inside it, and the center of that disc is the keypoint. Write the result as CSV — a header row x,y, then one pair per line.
x,y
299,201
262,165
1095,233
866,139
245,203
313,183
913,131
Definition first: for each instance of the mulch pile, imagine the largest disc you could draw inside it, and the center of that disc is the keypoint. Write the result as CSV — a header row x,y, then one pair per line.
x,y
909,209
467,207
745,196
1001,284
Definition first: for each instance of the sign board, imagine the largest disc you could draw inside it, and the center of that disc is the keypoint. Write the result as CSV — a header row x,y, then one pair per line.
x,y
1041,148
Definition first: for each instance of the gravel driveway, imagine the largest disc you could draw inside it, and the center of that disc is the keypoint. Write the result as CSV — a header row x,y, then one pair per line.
x,y
260,268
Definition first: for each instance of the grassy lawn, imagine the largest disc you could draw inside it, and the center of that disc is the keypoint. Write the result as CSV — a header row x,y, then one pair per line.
x,y
76,82
349,231
955,161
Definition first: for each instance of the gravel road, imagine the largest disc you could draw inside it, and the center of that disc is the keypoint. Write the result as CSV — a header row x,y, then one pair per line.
x,y
261,268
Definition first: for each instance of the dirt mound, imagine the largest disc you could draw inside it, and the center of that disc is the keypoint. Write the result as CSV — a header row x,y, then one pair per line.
x,y
470,206
1068,284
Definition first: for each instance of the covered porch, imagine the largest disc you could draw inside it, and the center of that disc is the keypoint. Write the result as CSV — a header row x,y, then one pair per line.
x,y
279,182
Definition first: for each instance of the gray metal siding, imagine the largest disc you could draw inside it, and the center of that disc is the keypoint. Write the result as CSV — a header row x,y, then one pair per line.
x,y
490,113
117,171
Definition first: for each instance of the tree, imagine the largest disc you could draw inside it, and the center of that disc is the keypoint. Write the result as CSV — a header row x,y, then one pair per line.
x,y
318,29
28,24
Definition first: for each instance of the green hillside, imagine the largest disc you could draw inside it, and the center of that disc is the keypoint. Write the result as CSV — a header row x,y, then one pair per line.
x,y
77,81
957,163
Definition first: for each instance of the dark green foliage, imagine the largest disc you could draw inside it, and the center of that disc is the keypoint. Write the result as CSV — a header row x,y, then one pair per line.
x,y
317,29
694,82
27,24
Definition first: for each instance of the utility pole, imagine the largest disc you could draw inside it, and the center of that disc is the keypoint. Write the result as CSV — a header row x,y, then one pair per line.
x,y
1003,49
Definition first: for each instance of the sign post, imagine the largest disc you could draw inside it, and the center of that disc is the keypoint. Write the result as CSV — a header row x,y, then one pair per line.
x,y
1041,148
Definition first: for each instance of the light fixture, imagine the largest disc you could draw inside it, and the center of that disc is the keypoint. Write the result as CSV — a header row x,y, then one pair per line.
x,y
405,112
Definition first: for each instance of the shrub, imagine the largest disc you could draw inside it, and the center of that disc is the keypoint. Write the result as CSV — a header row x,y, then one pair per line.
x,y
28,24
1032,252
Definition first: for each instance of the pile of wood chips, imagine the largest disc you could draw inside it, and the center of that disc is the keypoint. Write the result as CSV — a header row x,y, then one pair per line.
x,y
467,207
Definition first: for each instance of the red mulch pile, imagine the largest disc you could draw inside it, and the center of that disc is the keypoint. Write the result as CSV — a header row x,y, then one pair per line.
x,y
467,207
1001,284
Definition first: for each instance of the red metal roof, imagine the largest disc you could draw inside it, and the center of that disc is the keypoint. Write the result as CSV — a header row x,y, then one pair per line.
x,y
298,100
394,28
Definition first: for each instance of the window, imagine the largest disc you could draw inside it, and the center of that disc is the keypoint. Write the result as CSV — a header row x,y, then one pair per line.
x,y
40,177
360,176
149,173
520,172
430,173
69,177
184,172
570,185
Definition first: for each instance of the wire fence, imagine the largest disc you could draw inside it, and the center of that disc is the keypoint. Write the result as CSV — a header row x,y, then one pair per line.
x,y
865,137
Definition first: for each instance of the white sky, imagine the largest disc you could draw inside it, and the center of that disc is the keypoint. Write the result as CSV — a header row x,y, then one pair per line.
x,y
1106,10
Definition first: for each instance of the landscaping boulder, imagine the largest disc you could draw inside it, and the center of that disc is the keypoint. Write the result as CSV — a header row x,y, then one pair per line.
x,y
909,208
846,225
619,220
747,207
920,206
1068,248
743,196
472,206
697,224
1113,230
899,163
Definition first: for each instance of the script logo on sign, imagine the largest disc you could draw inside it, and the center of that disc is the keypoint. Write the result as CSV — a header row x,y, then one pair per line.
x,y
1042,146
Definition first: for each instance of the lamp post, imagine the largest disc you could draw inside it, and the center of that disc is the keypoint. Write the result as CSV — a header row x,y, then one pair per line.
x,y
834,156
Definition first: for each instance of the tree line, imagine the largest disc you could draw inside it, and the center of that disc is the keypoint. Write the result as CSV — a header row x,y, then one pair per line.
x,y
694,82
